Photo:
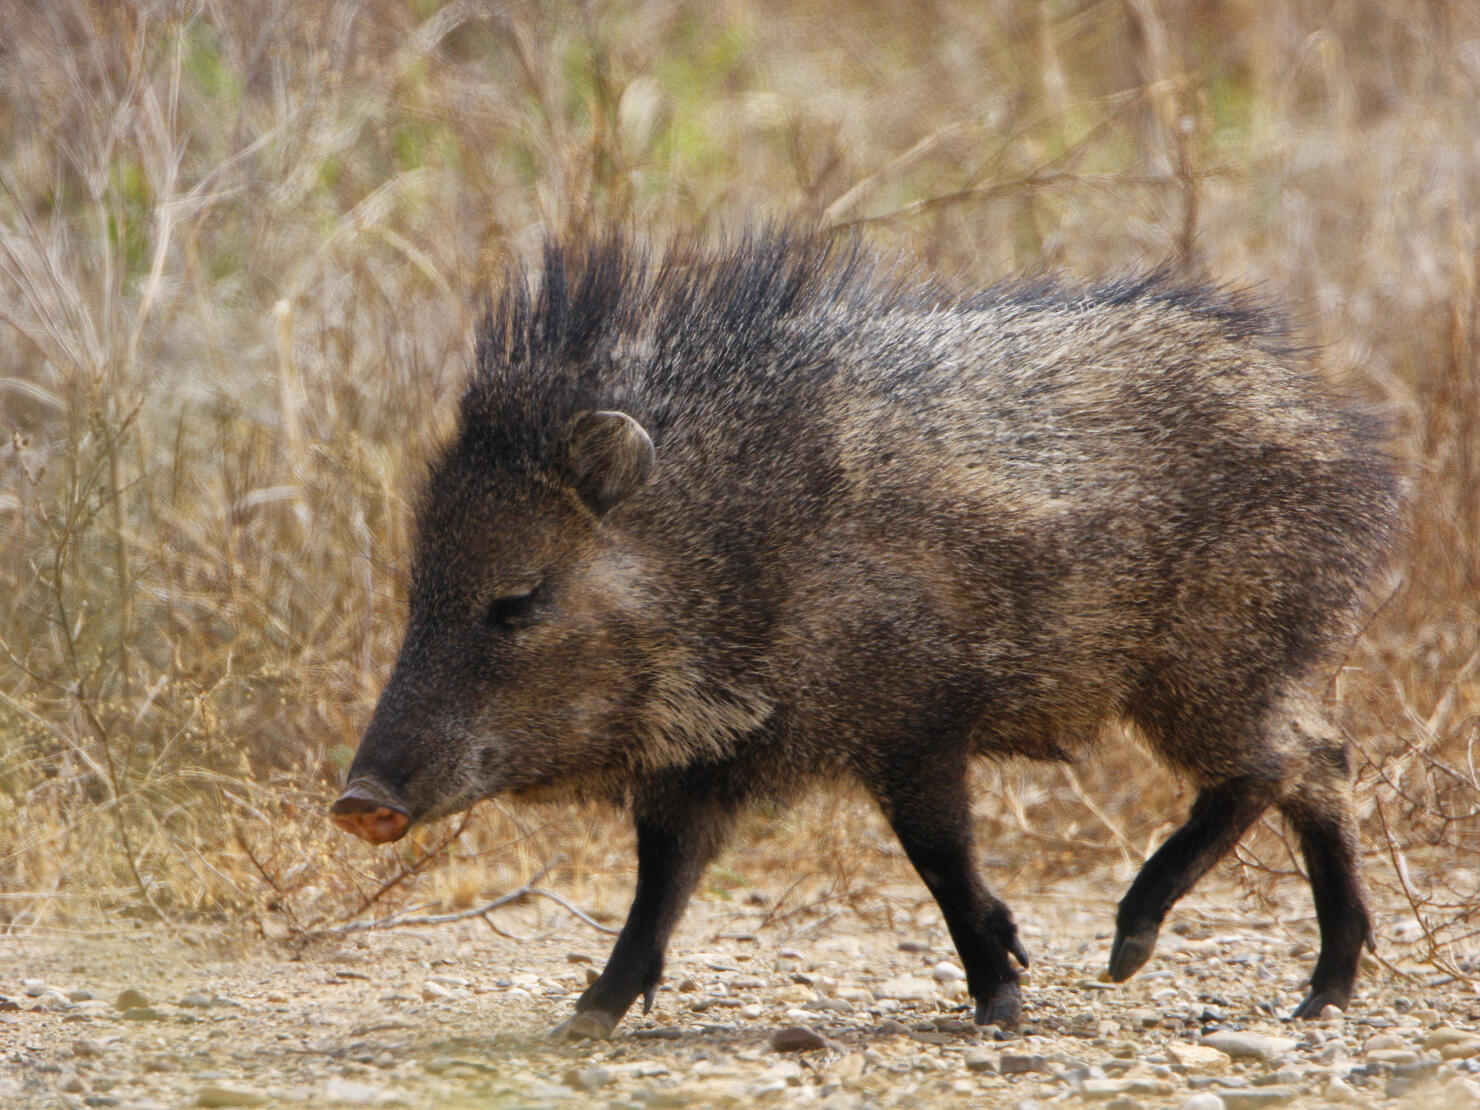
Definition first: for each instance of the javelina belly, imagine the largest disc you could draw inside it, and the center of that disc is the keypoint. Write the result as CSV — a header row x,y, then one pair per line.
x,y
714,527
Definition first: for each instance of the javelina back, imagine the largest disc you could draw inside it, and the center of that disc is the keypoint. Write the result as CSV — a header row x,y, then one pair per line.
x,y
714,528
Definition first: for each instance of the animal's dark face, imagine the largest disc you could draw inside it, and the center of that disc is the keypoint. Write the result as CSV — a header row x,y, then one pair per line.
x,y
525,645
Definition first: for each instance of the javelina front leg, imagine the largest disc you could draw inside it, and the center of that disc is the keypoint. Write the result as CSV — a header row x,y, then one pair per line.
x,y
1219,817
930,812
679,830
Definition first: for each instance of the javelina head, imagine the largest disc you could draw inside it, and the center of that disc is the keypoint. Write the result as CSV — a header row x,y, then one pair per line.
x,y
519,663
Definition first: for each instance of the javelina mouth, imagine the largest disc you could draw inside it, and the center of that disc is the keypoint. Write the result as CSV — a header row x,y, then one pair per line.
x,y
360,810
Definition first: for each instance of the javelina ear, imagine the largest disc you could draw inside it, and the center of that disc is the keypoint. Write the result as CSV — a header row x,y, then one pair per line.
x,y
611,457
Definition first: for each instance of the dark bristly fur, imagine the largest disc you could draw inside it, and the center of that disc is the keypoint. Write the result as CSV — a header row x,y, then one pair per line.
x,y
721,524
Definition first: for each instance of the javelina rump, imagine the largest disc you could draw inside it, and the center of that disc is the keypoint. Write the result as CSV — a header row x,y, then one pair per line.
x,y
714,528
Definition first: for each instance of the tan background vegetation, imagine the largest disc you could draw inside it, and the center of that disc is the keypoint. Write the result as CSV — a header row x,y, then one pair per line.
x,y
241,246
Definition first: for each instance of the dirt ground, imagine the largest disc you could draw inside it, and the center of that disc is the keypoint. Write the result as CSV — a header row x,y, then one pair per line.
x,y
455,1016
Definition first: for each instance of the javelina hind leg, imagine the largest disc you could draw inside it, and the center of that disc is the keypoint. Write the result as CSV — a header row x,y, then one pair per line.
x,y
1319,811
1219,817
679,829
930,812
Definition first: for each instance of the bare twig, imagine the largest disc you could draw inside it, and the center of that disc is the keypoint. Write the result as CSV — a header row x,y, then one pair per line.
x,y
397,920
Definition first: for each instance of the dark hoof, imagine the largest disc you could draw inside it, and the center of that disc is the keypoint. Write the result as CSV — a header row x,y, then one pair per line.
x,y
1003,1009
1129,954
1019,953
588,1025
1316,1001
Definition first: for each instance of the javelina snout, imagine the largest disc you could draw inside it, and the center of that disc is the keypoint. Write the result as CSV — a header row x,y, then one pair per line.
x,y
755,517
359,810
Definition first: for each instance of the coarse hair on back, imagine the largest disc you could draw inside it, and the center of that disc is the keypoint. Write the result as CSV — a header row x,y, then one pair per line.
x,y
610,322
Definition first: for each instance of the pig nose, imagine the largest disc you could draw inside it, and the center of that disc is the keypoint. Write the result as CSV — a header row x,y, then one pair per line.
x,y
369,818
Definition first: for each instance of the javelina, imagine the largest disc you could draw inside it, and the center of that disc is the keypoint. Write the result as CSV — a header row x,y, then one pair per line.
x,y
715,527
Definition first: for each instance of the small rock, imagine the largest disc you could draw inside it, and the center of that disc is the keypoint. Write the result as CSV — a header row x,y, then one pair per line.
x,y
1460,1050
80,994
131,1000
223,1094
1205,1100
891,1028
1383,1042
84,1047
980,1060
752,1011
197,1000
914,946
1288,1077
1200,1058
1076,1074
1017,1063
1096,1089
1393,1057
1257,1098
141,1013
1243,1045
798,1038
34,988
947,972
433,991
658,1033
932,1037
836,1005
907,988
1446,1034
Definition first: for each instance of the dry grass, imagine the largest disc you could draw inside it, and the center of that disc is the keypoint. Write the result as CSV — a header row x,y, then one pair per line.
x,y
239,250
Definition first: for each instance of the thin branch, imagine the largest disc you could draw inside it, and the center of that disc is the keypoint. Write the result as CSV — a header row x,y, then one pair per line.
x,y
462,915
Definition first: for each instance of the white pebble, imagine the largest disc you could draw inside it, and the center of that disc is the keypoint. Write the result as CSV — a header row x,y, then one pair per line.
x,y
947,972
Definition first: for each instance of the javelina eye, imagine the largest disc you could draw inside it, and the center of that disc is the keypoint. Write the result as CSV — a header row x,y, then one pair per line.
x,y
516,610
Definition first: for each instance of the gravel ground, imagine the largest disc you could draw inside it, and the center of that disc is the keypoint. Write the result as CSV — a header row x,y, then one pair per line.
x,y
837,1011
